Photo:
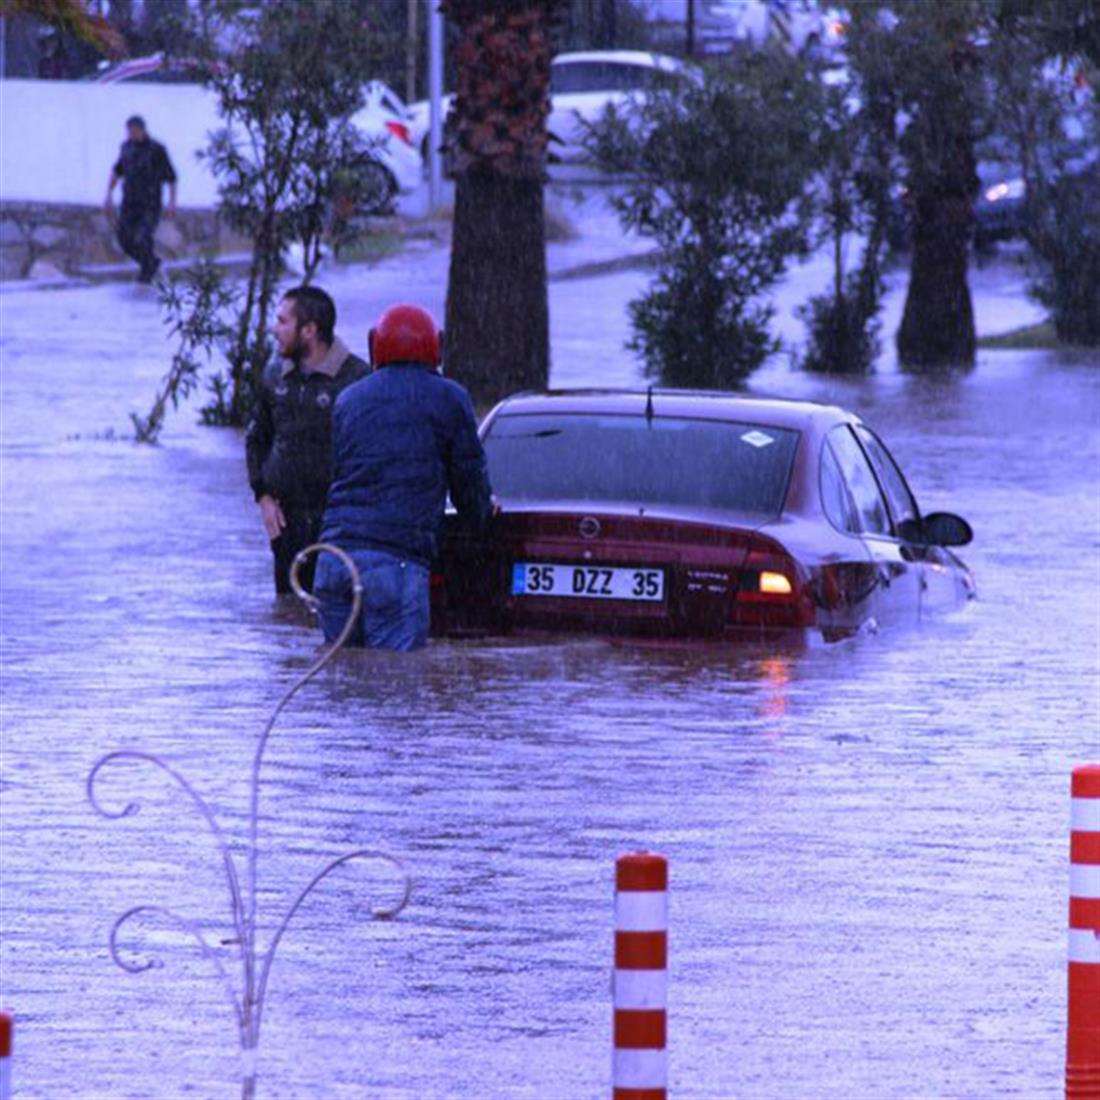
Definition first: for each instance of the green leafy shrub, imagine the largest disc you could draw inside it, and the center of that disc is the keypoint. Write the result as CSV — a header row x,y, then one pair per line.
x,y
858,154
196,305
1067,244
716,172
842,336
290,164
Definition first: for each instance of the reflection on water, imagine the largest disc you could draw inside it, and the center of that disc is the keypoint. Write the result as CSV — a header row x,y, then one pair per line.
x,y
867,841
775,672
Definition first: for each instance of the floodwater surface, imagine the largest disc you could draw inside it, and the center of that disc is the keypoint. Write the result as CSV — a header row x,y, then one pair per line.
x,y
867,842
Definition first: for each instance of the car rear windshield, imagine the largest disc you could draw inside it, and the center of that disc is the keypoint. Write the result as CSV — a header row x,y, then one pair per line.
x,y
672,460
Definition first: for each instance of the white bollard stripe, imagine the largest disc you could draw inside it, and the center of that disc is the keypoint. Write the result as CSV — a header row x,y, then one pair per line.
x,y
1084,815
1084,946
641,911
1084,880
641,988
640,1069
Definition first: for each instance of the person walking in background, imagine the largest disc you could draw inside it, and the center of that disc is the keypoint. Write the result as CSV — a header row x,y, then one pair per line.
x,y
289,437
402,439
144,167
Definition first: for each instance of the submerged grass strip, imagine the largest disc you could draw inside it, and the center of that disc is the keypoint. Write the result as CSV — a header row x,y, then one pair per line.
x,y
1027,337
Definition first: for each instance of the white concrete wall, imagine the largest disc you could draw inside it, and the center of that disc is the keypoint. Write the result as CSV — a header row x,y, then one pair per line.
x,y
59,138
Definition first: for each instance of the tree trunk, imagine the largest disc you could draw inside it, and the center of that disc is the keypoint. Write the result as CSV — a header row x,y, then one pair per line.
x,y
497,320
937,327
497,326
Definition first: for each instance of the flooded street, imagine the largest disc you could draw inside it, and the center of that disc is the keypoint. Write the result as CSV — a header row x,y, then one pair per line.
x,y
867,842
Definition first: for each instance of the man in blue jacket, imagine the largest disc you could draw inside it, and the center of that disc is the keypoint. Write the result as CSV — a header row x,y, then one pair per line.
x,y
402,439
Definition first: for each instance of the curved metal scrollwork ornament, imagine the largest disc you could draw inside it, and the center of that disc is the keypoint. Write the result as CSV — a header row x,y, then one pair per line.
x,y
246,993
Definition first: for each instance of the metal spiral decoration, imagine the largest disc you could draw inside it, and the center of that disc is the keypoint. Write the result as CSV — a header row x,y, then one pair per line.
x,y
246,993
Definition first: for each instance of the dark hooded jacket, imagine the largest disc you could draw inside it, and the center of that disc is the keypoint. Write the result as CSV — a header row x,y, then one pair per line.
x,y
289,438
402,439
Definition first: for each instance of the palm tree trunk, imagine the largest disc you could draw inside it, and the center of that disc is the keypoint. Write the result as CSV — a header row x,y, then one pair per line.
x,y
497,319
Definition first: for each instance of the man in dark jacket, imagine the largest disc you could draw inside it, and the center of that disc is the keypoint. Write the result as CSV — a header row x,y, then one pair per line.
x,y
144,168
289,439
402,439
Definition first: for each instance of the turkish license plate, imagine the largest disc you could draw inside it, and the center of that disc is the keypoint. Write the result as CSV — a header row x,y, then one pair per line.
x,y
592,582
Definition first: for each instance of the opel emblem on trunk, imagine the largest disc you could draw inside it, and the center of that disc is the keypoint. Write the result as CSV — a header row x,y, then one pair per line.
x,y
589,527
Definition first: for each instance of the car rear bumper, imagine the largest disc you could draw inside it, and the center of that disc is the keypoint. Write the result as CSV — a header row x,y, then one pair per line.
x,y
646,636
711,622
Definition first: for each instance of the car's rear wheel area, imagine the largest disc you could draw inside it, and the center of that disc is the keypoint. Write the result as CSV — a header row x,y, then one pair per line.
x,y
369,190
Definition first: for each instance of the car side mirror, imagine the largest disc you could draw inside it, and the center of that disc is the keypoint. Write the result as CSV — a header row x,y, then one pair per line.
x,y
938,529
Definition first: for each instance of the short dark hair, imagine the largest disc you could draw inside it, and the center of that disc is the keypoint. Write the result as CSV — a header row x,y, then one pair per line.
x,y
135,120
312,306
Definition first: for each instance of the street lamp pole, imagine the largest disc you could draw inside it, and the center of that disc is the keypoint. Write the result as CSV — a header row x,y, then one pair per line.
x,y
435,95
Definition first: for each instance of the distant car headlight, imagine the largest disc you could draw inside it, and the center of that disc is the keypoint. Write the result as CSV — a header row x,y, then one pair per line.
x,y
1009,189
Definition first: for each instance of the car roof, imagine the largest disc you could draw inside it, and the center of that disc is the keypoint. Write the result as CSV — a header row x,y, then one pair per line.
x,y
622,57
704,404
661,62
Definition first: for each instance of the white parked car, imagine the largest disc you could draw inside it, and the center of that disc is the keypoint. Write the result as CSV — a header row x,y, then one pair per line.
x,y
382,120
582,86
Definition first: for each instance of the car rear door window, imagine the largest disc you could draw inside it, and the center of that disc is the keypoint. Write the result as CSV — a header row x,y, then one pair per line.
x,y
835,498
871,512
589,458
903,506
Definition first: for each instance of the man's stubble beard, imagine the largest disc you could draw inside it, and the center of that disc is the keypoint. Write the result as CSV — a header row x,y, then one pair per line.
x,y
297,350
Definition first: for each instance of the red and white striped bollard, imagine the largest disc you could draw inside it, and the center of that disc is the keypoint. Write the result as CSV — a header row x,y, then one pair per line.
x,y
640,1069
7,1026
1083,1002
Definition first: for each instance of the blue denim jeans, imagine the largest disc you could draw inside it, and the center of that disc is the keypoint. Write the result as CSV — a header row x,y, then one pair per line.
x,y
396,607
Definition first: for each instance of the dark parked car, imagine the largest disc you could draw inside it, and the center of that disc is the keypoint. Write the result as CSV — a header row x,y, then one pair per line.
x,y
1000,213
695,515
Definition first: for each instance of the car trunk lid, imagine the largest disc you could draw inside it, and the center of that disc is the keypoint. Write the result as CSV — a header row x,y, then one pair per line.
x,y
699,559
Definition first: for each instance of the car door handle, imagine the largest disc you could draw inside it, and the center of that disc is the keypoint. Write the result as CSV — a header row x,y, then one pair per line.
x,y
884,578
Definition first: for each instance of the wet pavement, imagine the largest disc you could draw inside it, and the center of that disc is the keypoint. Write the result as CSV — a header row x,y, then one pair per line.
x,y
868,842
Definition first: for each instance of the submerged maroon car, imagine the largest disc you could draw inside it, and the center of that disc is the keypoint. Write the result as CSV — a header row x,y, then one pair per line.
x,y
694,514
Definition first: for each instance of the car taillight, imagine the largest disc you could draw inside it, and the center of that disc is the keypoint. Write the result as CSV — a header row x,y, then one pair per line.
x,y
771,592
399,131
775,584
